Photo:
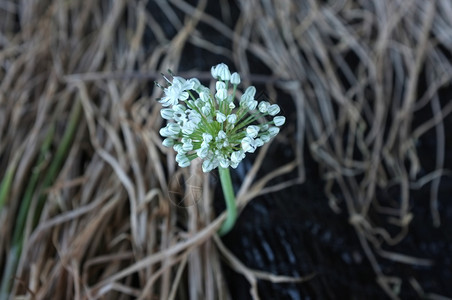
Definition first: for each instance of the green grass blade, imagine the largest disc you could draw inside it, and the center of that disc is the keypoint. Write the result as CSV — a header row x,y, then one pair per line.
x,y
59,157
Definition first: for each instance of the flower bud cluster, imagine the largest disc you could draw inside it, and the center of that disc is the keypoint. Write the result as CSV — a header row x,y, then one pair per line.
x,y
211,126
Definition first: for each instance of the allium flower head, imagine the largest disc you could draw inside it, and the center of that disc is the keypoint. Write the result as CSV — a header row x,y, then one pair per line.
x,y
210,126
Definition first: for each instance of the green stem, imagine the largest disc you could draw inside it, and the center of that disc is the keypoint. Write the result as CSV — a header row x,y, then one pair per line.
x,y
229,197
17,241
59,157
6,183
36,173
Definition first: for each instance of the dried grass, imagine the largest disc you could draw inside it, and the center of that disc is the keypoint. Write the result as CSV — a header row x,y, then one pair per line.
x,y
108,215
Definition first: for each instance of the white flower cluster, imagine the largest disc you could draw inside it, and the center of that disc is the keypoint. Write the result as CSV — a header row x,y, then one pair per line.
x,y
212,127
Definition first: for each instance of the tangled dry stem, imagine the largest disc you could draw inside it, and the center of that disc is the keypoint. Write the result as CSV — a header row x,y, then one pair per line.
x,y
116,221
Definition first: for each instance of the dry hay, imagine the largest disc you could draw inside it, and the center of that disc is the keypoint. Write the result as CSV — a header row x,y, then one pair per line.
x,y
103,210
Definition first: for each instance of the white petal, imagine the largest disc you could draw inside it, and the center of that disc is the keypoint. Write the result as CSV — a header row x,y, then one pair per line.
x,y
182,160
222,71
250,91
164,132
202,152
279,120
252,131
204,96
220,117
206,109
168,142
273,131
235,78
196,83
232,118
259,142
167,113
237,156
221,135
221,94
209,164
220,85
187,146
265,138
174,128
214,72
251,104
248,145
273,109
207,137
224,163
263,106
178,148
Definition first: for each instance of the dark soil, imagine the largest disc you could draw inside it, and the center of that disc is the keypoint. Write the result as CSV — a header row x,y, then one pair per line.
x,y
295,232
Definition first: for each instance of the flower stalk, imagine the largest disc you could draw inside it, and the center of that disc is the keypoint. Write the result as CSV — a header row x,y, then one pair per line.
x,y
211,126
229,197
